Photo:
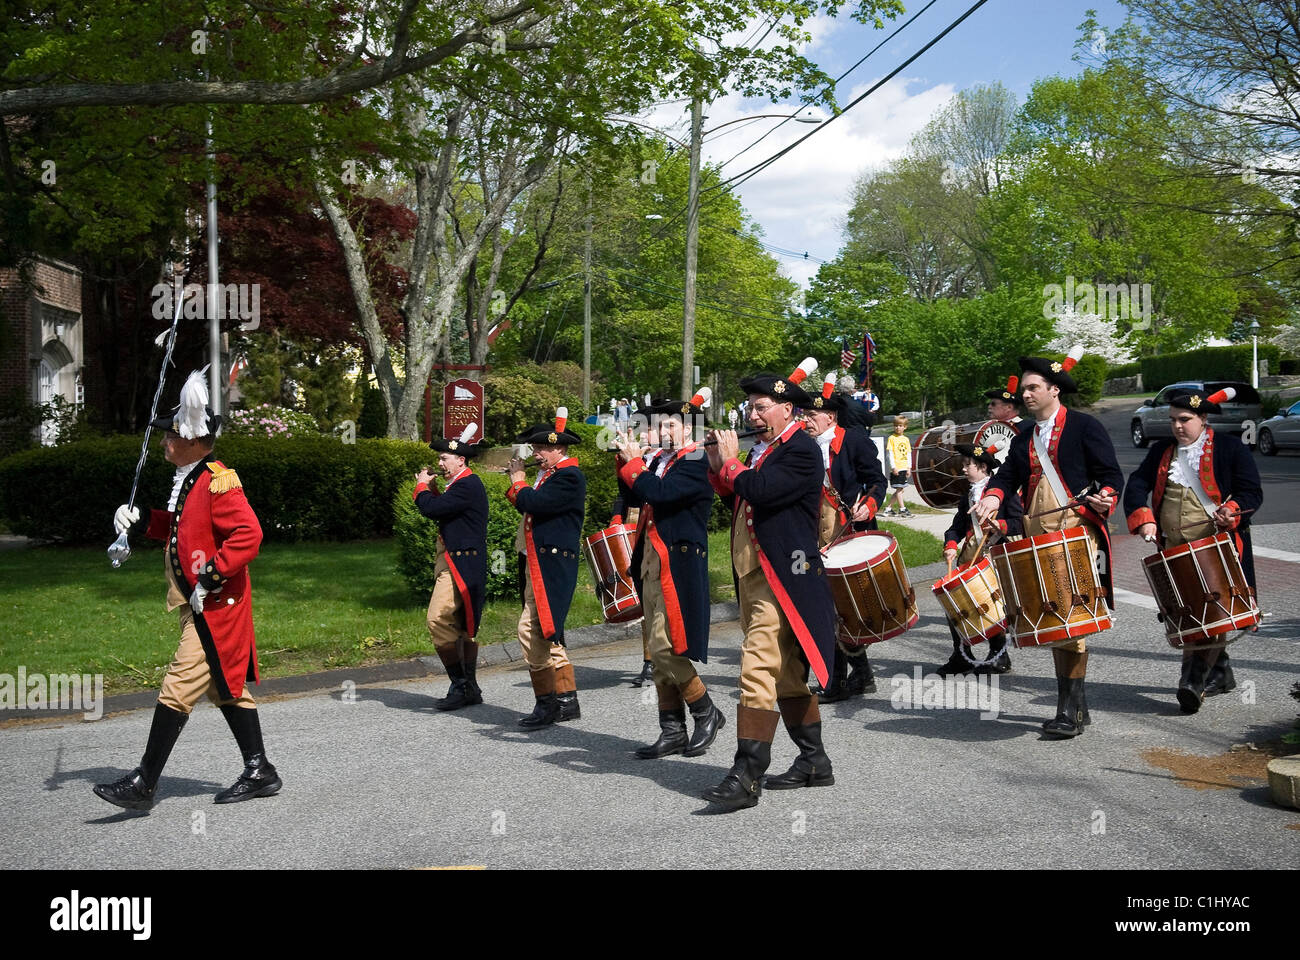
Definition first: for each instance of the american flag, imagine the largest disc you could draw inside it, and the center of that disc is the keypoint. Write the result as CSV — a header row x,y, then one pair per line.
x,y
847,356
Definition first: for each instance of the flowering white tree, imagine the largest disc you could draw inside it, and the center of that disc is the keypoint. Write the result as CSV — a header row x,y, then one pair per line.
x,y
1097,334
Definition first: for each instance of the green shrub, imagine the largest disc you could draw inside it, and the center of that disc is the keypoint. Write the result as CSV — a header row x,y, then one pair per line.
x,y
373,422
1120,370
308,488
1207,363
1089,374
1288,367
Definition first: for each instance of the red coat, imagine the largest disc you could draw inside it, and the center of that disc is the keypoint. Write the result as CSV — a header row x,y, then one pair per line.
x,y
211,539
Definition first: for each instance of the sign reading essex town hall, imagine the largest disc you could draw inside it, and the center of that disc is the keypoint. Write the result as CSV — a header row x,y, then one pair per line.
x,y
462,404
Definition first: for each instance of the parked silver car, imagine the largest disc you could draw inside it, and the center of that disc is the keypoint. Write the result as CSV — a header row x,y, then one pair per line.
x,y
1151,420
1277,433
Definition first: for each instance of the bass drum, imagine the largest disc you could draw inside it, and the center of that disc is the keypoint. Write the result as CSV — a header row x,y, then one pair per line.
x,y
937,474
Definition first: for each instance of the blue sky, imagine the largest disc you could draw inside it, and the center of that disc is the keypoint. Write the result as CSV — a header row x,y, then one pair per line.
x,y
801,200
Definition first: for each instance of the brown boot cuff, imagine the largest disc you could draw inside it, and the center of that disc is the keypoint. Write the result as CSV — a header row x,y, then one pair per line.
x,y
1073,666
799,711
543,681
470,653
755,724
693,690
564,682
448,656
669,696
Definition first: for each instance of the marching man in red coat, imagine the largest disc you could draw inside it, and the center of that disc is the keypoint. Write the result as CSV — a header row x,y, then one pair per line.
x,y
211,535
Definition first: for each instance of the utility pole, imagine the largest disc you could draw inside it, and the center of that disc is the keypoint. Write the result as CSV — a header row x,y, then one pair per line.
x,y
586,311
215,379
692,239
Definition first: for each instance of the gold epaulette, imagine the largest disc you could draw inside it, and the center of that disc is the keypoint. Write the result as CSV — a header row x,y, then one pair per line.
x,y
223,478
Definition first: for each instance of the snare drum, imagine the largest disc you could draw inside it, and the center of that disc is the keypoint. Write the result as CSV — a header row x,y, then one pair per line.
x,y
1052,590
938,477
869,583
609,554
971,598
1201,591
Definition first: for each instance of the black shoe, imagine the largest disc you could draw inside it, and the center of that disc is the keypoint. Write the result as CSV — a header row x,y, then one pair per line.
x,y
742,786
812,768
957,664
463,693
836,687
861,680
259,779
131,791
1220,679
135,791
1068,721
647,674
708,721
672,736
545,713
569,709
998,661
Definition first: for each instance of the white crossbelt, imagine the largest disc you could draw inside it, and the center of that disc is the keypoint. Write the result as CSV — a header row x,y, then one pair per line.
x,y
1049,469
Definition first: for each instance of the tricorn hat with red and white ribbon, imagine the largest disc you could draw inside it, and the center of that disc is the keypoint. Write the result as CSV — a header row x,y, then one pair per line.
x,y
1198,401
1055,371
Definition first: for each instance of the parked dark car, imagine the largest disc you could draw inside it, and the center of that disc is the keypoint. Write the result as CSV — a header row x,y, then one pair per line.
x,y
1278,433
1151,420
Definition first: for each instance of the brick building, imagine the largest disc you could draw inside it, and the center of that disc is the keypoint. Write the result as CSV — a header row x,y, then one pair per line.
x,y
41,351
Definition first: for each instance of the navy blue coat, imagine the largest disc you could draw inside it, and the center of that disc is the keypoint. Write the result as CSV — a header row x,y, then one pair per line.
x,y
680,503
553,515
783,498
1084,453
462,514
1011,521
856,471
1228,474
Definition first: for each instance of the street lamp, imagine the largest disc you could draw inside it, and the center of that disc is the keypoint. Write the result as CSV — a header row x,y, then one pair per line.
x,y
1254,354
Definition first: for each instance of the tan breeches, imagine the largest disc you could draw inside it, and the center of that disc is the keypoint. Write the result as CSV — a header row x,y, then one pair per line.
x,y
772,666
446,616
669,667
538,651
188,676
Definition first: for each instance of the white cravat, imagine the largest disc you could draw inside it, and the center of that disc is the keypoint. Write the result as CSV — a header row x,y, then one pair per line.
x,y
1185,470
824,441
181,474
977,491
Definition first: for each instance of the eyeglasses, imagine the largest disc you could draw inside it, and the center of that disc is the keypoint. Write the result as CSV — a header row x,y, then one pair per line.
x,y
760,410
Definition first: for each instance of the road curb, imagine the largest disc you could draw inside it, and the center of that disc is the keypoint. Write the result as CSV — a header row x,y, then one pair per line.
x,y
1284,780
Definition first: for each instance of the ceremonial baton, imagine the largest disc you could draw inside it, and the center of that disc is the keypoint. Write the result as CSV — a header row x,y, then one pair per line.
x,y
120,549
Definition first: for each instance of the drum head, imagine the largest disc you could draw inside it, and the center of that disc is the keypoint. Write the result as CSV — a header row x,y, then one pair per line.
x,y
857,550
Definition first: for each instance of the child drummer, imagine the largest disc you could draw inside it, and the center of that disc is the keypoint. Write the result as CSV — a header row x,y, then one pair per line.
x,y
1199,483
964,540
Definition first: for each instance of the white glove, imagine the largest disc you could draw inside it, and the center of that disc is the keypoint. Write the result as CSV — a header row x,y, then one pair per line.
x,y
196,598
125,516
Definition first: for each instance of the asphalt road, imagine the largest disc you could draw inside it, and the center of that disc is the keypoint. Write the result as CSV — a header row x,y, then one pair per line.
x,y
386,781
1280,474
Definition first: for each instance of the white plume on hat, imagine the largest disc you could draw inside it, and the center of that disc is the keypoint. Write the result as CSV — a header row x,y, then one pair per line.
x,y
703,397
468,433
192,414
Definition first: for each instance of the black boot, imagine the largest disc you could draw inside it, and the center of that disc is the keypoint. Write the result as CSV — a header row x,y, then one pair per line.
x,y
1220,678
1068,721
259,778
708,721
836,688
812,768
546,712
861,680
566,694
647,674
135,791
464,691
742,786
998,661
957,664
1191,685
672,735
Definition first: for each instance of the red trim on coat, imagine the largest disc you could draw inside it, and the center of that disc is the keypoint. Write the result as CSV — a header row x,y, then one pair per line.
x,y
672,606
1138,517
470,626
539,588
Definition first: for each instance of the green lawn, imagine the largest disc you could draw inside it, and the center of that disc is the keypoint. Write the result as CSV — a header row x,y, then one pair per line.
x,y
317,606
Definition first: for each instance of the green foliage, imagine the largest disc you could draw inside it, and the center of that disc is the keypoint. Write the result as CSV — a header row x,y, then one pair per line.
x,y
527,393
1119,370
1207,363
1090,376
310,376
416,538
373,421
596,460
311,488
268,420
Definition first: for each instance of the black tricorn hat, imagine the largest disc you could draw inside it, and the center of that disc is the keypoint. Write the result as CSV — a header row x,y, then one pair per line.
x,y
192,419
1008,394
1198,401
1054,371
667,406
981,454
461,446
828,399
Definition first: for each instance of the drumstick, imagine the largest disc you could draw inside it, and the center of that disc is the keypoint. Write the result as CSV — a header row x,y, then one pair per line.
x,y
1076,501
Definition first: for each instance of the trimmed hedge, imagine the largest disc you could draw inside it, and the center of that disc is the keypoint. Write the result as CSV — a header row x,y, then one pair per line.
x,y
309,488
1123,370
1207,363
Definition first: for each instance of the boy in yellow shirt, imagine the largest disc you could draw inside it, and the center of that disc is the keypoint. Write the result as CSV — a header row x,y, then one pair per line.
x,y
899,451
